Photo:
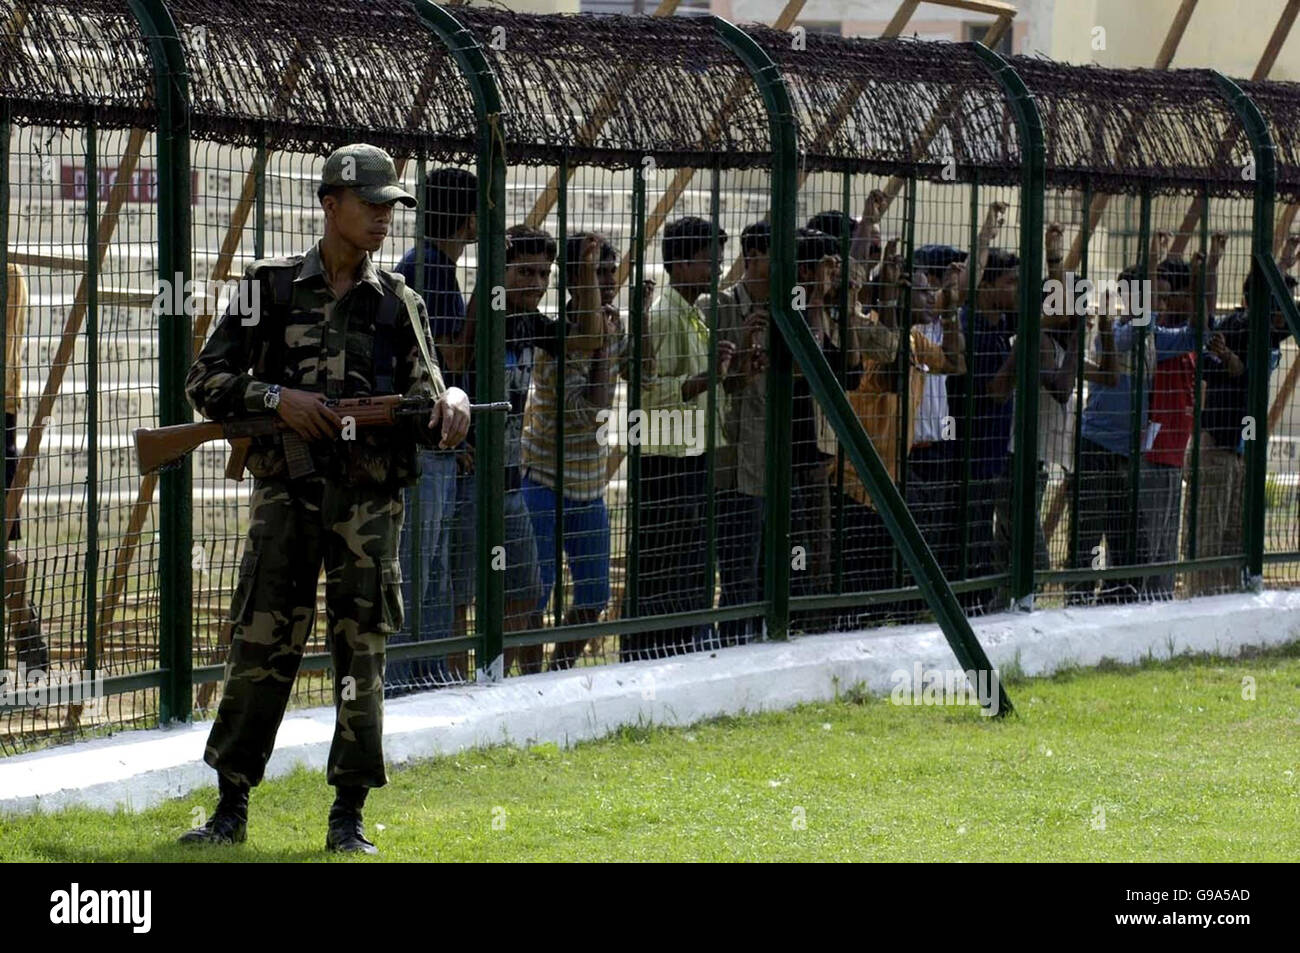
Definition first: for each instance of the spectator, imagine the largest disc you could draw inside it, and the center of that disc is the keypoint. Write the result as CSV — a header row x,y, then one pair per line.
x,y
530,254
989,414
450,223
1109,419
1219,509
875,401
933,474
742,465
672,476
818,277
1170,425
585,399
1058,354
1063,338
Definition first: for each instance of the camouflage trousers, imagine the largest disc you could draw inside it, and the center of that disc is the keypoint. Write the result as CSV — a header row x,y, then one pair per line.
x,y
294,528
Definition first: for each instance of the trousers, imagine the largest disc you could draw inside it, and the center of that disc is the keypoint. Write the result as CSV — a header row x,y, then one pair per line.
x,y
295,528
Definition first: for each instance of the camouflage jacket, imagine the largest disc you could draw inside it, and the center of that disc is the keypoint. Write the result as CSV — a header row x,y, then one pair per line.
x,y
286,327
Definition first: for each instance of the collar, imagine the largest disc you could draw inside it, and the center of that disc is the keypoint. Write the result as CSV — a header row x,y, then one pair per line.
x,y
676,304
743,297
313,267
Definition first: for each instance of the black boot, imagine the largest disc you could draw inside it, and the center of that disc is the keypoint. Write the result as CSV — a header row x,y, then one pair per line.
x,y
229,823
346,834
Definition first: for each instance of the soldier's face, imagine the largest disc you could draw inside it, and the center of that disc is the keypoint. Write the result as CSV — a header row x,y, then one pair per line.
x,y
527,278
361,223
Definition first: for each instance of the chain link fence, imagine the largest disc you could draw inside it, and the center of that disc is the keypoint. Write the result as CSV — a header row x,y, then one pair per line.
x,y
610,238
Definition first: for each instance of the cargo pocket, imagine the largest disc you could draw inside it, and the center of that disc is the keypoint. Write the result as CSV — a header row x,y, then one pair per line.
x,y
241,606
391,614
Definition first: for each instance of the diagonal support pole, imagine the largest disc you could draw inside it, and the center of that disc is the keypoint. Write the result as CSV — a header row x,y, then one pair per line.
x,y
72,327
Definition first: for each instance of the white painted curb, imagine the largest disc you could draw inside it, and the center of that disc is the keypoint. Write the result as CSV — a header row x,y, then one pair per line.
x,y
138,769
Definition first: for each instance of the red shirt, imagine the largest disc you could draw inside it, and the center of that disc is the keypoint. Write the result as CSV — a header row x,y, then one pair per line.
x,y
1171,408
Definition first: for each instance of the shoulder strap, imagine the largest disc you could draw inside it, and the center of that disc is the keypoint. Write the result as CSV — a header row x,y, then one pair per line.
x,y
421,342
403,294
279,281
385,352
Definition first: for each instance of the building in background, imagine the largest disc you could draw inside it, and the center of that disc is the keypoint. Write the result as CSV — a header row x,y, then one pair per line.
x,y
1223,34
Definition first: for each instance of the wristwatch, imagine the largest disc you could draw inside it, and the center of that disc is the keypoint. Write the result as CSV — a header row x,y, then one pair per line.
x,y
272,398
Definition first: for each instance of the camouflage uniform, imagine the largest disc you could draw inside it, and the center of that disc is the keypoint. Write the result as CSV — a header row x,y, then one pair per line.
x,y
346,515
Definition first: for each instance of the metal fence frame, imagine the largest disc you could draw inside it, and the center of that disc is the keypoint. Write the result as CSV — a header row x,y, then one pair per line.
x,y
172,109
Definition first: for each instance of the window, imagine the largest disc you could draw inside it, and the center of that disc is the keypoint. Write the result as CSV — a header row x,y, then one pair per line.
x,y
977,32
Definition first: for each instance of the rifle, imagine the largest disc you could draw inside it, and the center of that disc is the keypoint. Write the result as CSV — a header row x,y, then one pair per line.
x,y
158,448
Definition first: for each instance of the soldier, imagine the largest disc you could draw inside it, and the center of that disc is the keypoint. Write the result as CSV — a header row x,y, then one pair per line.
x,y
327,324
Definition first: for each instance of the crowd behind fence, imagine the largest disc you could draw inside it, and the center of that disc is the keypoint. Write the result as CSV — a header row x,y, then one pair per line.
x,y
628,504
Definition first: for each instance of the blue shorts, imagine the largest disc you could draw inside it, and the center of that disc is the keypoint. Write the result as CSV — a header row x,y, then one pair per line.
x,y
586,544
522,582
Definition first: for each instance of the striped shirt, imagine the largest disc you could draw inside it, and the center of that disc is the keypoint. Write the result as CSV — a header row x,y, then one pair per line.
x,y
585,456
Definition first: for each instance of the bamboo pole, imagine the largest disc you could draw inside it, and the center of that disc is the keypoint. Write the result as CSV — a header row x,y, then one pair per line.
x,y
124,555
682,177
605,107
72,326
1265,66
1166,55
845,105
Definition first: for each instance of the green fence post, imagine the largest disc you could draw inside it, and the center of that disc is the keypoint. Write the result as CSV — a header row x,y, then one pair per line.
x,y
414,515
1139,364
821,379
175,581
904,359
91,594
712,398
1202,319
4,330
561,374
632,466
1085,236
837,533
1264,282
490,344
780,366
259,196
968,379
1024,492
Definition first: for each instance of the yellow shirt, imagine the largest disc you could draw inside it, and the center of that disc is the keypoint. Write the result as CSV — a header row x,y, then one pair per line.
x,y
670,426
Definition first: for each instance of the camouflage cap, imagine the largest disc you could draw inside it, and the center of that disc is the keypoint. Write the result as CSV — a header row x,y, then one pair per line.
x,y
369,170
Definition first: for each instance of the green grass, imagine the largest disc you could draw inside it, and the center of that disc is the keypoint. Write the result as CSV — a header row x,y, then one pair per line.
x,y
1183,767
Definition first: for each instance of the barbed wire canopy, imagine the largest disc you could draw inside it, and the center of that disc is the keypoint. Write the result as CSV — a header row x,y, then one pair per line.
x,y
1122,128
609,90
1280,105
895,106
61,60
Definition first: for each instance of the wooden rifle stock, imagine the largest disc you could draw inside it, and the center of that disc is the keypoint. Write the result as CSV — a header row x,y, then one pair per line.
x,y
159,447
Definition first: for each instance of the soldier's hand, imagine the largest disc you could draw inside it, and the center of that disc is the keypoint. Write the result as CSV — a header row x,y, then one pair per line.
x,y
307,414
452,413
